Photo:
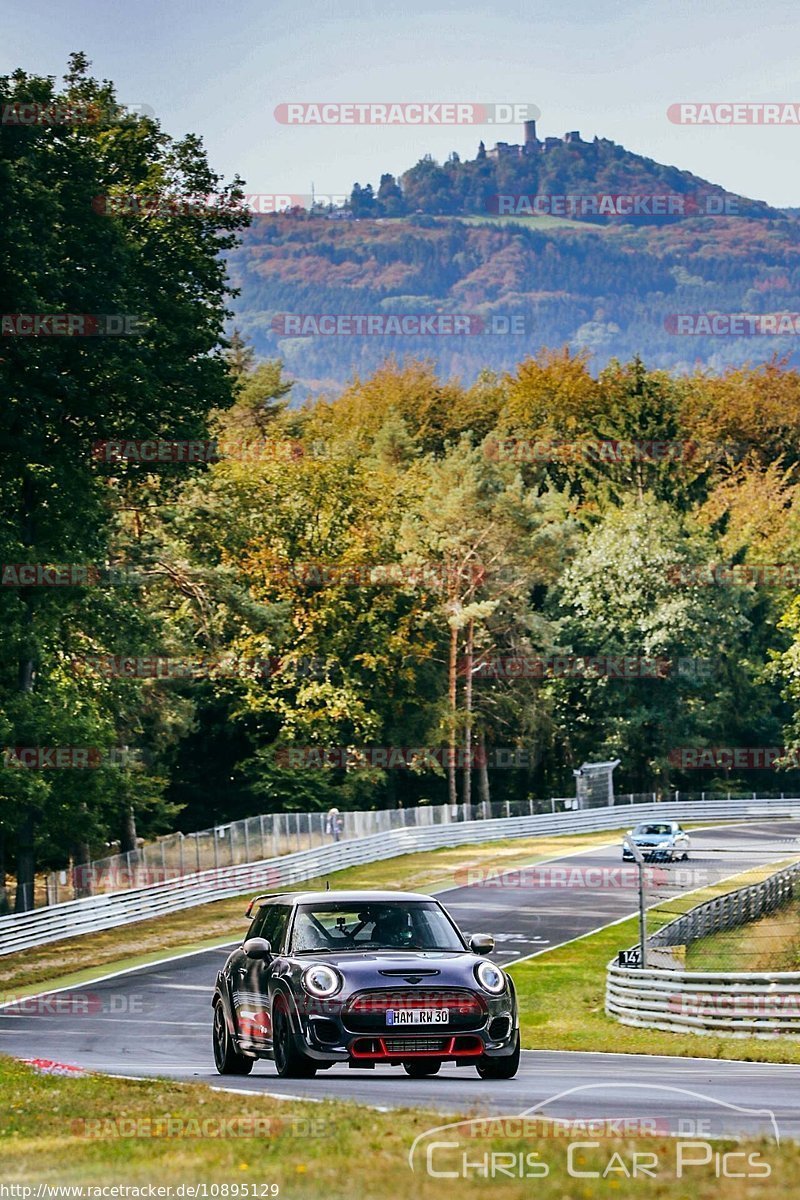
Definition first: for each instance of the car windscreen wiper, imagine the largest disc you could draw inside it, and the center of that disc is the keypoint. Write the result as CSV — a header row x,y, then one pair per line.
x,y
321,950
414,946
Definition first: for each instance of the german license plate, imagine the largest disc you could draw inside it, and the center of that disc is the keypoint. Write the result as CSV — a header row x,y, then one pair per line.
x,y
417,1016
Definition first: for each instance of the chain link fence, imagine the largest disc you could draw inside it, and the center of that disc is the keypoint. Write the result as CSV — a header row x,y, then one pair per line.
x,y
271,835
754,928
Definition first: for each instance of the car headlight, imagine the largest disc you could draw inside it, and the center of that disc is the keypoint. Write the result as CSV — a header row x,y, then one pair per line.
x,y
490,977
321,981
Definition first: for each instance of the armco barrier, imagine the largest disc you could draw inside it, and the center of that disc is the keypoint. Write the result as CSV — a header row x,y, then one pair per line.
x,y
56,922
267,835
725,1003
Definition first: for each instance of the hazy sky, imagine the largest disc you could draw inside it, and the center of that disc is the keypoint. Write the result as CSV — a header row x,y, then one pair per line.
x,y
219,69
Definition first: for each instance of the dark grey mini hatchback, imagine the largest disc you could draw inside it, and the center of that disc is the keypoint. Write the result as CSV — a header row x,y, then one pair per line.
x,y
360,978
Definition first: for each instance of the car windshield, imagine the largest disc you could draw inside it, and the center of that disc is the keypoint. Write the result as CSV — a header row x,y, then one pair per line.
x,y
415,925
651,829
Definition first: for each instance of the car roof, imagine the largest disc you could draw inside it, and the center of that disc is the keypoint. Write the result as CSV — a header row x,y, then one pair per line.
x,y
343,897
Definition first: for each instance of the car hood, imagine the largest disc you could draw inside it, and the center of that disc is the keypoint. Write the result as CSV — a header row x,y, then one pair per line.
x,y
387,968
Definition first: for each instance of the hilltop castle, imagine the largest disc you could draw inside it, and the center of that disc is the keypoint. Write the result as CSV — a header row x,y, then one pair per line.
x,y
532,144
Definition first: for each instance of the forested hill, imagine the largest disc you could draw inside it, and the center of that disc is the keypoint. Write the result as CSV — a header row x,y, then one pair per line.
x,y
611,285
569,177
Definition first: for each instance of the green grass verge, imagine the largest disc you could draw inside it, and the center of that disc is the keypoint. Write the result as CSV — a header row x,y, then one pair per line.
x,y
562,995
62,964
98,1131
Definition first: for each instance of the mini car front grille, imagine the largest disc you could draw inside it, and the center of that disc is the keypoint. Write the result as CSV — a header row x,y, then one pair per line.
x,y
415,1044
465,1002
366,1012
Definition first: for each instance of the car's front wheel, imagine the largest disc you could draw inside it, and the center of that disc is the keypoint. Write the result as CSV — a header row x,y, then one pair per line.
x,y
418,1068
227,1059
290,1062
499,1068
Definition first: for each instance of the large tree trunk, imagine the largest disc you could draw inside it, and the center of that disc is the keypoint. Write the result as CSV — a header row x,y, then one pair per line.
x,y
26,855
483,771
127,841
3,885
23,901
453,696
81,870
468,656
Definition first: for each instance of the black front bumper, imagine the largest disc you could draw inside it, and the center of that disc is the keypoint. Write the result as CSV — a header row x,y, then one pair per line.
x,y
483,1025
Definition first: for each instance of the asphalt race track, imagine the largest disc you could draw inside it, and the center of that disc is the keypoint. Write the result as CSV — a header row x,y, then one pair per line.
x,y
156,1020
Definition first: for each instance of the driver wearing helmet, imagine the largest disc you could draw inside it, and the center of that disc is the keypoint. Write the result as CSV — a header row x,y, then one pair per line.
x,y
392,927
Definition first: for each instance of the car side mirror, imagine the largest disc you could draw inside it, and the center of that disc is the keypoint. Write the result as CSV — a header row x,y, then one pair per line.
x,y
481,943
258,948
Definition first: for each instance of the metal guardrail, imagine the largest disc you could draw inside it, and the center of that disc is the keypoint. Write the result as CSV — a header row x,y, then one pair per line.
x,y
269,835
254,839
728,1003
732,1004
91,914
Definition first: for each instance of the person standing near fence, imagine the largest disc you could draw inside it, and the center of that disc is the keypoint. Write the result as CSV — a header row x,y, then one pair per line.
x,y
334,824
